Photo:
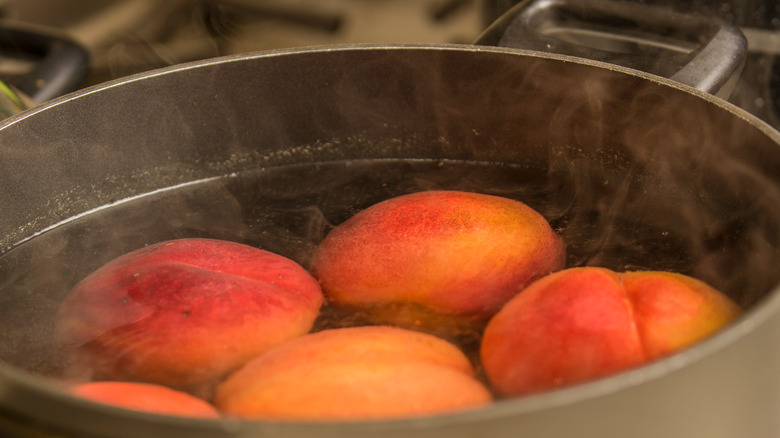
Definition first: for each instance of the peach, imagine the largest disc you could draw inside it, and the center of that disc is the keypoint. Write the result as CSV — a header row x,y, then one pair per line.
x,y
147,397
186,312
355,373
583,323
434,253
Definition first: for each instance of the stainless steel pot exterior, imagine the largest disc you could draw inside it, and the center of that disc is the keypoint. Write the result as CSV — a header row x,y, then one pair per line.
x,y
682,148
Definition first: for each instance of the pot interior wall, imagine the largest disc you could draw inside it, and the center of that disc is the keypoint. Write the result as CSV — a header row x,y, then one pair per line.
x,y
275,149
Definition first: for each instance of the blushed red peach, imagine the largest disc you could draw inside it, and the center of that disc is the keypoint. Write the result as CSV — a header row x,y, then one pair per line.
x,y
357,373
186,311
440,252
582,323
146,397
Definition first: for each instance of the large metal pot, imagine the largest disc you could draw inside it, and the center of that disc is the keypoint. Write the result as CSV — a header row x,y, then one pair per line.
x,y
273,148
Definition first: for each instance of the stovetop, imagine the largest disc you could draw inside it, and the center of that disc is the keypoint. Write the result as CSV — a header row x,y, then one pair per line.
x,y
128,36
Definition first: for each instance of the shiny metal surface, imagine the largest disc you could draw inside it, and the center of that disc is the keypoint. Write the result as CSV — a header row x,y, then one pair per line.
x,y
704,52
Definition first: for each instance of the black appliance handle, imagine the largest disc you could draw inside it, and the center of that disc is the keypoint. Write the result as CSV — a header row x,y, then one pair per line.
x,y
704,52
61,63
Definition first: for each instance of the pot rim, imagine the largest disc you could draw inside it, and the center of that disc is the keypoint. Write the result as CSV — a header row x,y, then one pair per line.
x,y
469,48
40,394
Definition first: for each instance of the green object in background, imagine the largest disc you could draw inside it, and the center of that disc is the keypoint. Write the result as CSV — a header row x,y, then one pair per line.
x,y
10,103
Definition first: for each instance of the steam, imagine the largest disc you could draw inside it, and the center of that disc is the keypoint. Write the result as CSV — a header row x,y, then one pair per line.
x,y
668,193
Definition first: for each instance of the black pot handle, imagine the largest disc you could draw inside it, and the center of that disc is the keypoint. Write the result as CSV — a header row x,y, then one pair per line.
x,y
704,52
61,63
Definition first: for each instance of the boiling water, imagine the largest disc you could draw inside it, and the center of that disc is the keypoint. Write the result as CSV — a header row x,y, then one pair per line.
x,y
288,210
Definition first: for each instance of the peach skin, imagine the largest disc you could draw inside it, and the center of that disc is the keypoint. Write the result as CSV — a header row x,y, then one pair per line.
x,y
357,373
184,312
434,253
583,323
146,397
673,311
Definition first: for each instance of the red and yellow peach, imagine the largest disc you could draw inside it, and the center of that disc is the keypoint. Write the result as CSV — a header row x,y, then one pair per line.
x,y
582,323
146,397
186,311
423,255
357,373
